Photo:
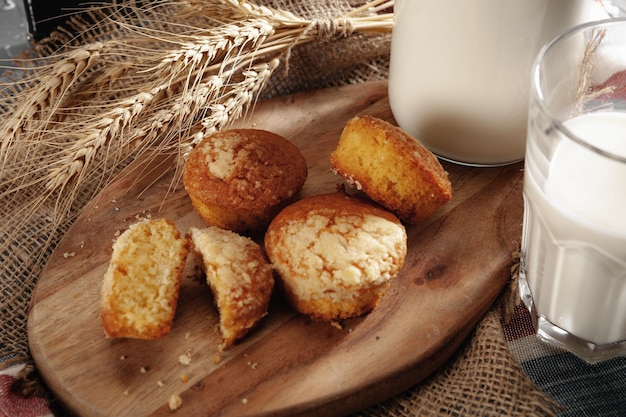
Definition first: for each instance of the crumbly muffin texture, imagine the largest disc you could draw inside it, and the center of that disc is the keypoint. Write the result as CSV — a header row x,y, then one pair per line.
x,y
239,276
335,254
239,179
141,285
392,168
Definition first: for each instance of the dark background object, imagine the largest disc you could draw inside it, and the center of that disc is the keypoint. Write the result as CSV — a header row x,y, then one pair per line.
x,y
46,15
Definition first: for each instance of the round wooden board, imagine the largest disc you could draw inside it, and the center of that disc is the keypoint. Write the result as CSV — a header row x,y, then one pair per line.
x,y
457,264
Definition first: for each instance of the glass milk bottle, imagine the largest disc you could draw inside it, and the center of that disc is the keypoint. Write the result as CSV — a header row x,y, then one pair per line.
x,y
459,72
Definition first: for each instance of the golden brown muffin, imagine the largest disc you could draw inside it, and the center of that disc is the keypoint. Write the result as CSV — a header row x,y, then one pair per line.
x,y
335,254
239,179
239,276
392,168
141,286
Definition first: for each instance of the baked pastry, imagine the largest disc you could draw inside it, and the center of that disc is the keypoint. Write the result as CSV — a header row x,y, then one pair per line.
x,y
392,168
335,254
141,285
239,276
239,179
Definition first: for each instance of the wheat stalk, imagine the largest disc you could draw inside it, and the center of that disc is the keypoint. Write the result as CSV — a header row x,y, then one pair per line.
x,y
164,82
53,84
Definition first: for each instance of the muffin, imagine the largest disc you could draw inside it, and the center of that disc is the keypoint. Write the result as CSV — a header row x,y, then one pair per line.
x,y
239,276
239,179
335,254
392,168
141,285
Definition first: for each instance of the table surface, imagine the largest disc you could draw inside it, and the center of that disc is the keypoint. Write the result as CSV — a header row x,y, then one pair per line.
x,y
458,261
582,389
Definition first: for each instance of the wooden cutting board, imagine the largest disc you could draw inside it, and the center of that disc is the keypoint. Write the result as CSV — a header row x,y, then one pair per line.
x,y
457,264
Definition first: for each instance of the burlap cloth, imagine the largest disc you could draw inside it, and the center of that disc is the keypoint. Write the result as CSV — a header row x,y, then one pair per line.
x,y
483,378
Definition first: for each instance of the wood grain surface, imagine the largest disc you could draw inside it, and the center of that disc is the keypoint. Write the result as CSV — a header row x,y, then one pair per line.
x,y
457,264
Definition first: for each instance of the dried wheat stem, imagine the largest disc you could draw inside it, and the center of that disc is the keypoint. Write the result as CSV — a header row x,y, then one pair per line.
x,y
585,91
239,9
44,97
205,97
372,7
80,153
203,54
219,49
198,76
236,102
161,85
214,104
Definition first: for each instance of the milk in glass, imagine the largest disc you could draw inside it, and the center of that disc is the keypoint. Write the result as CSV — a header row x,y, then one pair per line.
x,y
575,230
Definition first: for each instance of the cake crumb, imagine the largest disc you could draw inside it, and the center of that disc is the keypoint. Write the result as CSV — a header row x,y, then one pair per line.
x,y
217,359
184,378
143,370
244,401
336,324
185,359
69,255
175,402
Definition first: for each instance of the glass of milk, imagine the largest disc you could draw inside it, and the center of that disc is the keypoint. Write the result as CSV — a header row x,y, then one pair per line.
x,y
573,268
458,75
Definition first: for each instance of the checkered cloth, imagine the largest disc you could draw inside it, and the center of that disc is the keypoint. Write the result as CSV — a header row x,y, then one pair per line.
x,y
582,389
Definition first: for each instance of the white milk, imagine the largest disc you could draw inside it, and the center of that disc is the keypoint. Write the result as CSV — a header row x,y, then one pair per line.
x,y
460,71
576,248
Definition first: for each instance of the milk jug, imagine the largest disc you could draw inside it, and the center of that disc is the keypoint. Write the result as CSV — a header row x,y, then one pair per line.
x,y
459,72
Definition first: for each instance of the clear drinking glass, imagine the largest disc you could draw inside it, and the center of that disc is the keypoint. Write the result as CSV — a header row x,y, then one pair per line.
x,y
573,270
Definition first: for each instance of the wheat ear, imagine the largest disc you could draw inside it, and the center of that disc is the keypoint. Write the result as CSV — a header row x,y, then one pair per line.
x,y
43,98
163,77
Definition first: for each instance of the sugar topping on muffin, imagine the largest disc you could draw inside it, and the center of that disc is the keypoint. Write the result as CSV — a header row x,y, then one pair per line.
x,y
239,275
335,254
239,179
